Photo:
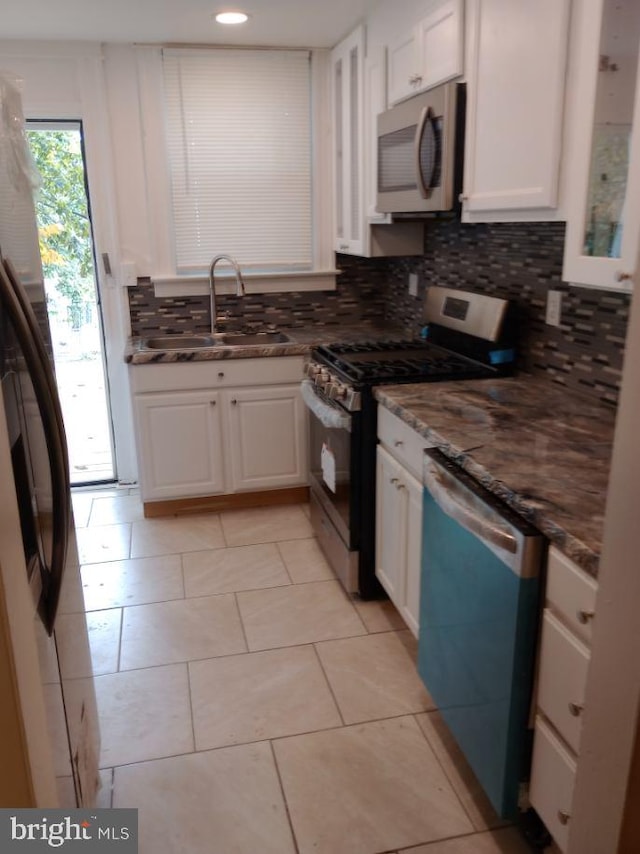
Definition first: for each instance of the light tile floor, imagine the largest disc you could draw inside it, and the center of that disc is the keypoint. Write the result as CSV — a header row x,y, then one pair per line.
x,y
248,705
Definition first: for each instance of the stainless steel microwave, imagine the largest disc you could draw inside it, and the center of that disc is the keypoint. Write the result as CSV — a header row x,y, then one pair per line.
x,y
420,152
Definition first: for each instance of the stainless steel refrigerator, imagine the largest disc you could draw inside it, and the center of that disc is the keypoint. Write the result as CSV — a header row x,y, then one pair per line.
x,y
49,752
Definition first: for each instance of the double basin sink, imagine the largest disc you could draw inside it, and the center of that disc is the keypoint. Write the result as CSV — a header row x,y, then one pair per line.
x,y
225,339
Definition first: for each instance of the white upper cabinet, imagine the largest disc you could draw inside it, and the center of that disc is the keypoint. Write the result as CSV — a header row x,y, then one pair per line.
x,y
347,77
428,54
517,59
359,94
603,227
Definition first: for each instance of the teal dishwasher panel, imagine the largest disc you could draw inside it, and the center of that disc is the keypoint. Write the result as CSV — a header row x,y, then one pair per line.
x,y
478,624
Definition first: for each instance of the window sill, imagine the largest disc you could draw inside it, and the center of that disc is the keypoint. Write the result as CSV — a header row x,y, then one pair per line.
x,y
255,283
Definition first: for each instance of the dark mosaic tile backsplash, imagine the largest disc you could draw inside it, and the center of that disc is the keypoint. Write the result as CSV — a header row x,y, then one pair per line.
x,y
520,261
360,296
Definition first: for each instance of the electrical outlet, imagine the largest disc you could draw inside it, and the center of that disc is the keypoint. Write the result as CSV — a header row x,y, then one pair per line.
x,y
413,284
554,308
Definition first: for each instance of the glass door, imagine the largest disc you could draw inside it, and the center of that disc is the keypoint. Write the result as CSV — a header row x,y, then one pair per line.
x,y
73,304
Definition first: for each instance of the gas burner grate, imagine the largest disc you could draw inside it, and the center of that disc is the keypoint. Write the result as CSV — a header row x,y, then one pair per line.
x,y
372,362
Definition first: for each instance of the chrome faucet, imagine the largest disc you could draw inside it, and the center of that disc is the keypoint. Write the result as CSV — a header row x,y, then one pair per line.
x,y
240,290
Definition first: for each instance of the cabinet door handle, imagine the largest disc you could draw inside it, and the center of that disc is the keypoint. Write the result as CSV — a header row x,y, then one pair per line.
x,y
398,443
563,817
220,375
393,480
575,709
212,402
585,616
620,276
400,486
234,402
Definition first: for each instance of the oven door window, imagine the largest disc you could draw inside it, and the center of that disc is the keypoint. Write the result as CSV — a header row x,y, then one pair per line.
x,y
330,469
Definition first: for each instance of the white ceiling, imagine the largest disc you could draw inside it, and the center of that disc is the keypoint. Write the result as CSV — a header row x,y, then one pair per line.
x,y
291,23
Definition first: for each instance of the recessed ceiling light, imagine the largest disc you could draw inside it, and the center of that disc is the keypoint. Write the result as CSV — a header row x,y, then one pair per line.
x,y
231,17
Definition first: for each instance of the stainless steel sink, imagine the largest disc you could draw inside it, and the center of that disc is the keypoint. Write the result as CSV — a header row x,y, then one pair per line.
x,y
248,338
179,342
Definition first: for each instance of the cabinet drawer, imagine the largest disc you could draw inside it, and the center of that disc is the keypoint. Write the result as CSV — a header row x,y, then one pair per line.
x,y
571,594
216,373
562,679
553,774
402,441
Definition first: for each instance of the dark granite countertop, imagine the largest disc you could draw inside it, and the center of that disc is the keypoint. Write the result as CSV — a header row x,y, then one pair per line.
x,y
302,339
542,449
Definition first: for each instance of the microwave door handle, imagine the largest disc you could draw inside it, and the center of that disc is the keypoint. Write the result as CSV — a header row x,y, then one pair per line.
x,y
426,116
45,390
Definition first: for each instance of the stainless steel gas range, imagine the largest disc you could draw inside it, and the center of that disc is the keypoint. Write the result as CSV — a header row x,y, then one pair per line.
x,y
466,336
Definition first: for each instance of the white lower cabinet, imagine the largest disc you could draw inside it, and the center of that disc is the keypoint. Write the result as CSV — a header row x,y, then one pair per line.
x,y
570,601
552,781
266,437
180,444
219,427
399,515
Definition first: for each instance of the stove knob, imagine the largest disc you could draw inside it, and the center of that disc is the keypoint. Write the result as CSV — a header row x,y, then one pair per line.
x,y
341,391
337,390
320,379
312,369
353,400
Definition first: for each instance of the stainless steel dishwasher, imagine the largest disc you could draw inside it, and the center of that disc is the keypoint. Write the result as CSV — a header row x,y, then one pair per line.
x,y
479,607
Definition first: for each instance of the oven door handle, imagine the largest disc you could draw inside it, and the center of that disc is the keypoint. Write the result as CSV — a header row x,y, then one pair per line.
x,y
328,415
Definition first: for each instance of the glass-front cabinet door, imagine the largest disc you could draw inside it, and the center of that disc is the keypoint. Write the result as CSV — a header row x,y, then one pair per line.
x,y
347,63
603,228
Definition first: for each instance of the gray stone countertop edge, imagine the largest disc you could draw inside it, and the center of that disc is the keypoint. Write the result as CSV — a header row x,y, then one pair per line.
x,y
583,555
302,340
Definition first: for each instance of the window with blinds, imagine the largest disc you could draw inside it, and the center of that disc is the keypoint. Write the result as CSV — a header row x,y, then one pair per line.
x,y
239,144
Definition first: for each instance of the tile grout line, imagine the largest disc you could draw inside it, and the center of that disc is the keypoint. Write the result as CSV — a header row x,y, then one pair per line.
x,y
250,651
329,685
222,531
242,626
221,593
193,724
444,770
284,797
120,633
284,563
184,584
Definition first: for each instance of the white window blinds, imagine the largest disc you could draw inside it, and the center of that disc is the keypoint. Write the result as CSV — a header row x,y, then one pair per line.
x,y
239,140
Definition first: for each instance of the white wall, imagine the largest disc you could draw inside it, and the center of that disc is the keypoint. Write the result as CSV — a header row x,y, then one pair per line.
x,y
66,81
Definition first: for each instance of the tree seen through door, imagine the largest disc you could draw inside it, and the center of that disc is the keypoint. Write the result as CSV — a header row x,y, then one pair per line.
x,y
66,249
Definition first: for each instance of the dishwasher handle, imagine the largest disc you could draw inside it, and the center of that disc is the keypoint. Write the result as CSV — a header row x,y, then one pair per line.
x,y
452,500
